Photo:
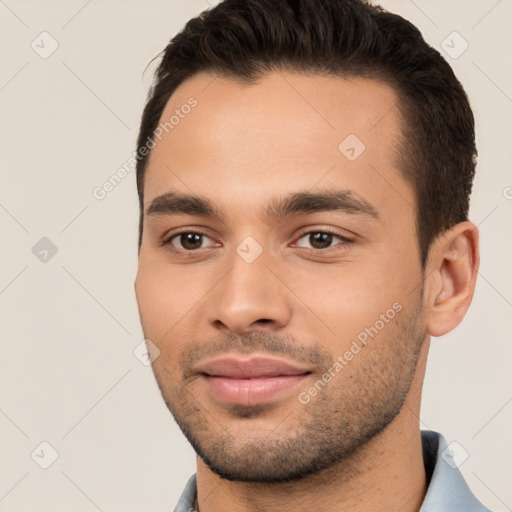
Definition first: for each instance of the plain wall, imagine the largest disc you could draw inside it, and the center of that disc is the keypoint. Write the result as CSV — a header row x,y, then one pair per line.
x,y
69,324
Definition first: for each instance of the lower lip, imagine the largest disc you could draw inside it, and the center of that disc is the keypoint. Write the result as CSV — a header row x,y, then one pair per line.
x,y
251,391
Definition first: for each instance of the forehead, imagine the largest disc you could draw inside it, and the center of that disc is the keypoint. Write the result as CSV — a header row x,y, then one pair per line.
x,y
287,131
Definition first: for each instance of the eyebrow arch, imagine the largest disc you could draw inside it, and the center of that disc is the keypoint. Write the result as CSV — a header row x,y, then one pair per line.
x,y
177,203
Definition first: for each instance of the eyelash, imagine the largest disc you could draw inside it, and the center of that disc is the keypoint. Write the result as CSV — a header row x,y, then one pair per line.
x,y
346,242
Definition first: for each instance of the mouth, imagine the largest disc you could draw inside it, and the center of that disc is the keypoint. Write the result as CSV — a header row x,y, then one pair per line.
x,y
251,381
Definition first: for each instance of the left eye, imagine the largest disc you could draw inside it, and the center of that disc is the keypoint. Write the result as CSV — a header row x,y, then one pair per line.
x,y
322,239
189,240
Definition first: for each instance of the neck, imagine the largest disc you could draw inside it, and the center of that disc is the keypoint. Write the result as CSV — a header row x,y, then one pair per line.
x,y
380,477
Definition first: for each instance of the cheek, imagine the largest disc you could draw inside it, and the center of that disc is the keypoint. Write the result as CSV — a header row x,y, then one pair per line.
x,y
159,296
351,297
170,299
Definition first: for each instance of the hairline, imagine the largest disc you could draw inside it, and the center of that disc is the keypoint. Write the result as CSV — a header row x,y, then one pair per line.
x,y
377,74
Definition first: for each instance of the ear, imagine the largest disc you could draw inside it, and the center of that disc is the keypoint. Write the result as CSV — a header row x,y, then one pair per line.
x,y
451,271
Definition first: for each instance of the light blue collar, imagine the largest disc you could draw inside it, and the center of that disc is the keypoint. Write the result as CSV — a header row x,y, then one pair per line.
x,y
447,491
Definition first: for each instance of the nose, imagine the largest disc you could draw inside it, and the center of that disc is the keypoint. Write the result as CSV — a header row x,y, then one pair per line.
x,y
249,295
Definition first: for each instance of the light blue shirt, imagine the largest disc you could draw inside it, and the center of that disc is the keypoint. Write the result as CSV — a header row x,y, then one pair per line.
x,y
447,490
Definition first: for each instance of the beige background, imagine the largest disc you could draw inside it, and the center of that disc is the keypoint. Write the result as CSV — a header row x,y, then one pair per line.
x,y
69,325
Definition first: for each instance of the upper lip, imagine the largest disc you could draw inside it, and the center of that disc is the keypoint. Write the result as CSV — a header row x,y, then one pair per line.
x,y
236,367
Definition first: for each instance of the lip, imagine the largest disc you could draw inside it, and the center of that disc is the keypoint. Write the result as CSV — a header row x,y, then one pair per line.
x,y
252,380
250,367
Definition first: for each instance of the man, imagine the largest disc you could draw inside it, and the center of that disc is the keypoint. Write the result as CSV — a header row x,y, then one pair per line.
x,y
304,178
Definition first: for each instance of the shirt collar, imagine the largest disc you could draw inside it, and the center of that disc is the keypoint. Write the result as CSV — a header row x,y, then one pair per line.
x,y
447,490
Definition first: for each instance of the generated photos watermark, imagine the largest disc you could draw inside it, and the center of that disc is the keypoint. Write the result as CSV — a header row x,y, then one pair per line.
x,y
357,344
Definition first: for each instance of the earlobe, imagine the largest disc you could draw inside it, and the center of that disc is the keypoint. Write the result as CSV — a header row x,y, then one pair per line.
x,y
452,273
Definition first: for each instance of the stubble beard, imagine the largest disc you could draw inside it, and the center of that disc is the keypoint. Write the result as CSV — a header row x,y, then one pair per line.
x,y
352,409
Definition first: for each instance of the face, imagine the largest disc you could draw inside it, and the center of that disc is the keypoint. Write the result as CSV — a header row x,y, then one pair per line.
x,y
279,272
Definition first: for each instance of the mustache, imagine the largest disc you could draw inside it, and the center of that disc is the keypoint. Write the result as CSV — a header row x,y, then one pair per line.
x,y
254,342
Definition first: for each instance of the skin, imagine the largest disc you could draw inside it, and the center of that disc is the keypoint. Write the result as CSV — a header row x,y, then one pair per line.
x,y
356,444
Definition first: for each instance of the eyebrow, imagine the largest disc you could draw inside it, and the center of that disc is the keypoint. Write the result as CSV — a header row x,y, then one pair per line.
x,y
346,201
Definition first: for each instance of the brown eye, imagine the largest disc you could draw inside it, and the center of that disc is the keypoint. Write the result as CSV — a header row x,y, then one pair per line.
x,y
322,240
187,240
190,241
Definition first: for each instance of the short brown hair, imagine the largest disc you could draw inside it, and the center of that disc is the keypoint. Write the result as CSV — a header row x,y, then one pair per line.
x,y
244,39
